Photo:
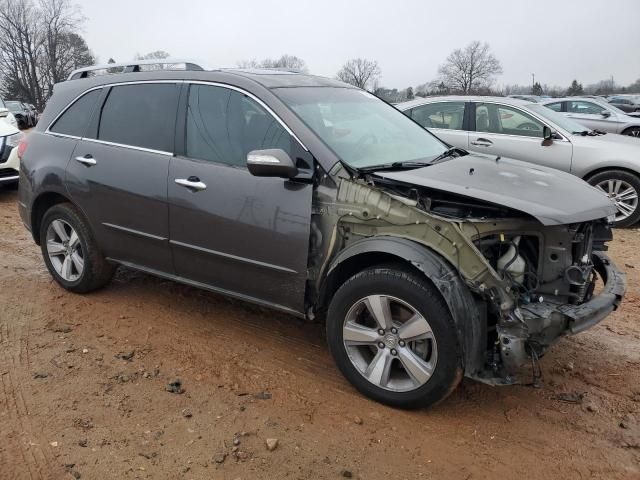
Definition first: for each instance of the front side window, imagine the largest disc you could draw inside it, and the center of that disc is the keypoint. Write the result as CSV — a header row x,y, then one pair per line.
x,y
556,107
361,130
75,119
140,115
579,106
224,125
492,118
447,115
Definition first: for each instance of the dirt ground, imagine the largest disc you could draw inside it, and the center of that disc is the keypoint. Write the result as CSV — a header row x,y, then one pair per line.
x,y
84,391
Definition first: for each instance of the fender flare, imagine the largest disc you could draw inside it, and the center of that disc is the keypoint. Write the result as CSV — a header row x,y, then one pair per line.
x,y
468,314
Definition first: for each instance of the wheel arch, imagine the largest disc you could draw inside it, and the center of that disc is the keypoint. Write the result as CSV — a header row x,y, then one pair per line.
x,y
41,204
467,311
606,168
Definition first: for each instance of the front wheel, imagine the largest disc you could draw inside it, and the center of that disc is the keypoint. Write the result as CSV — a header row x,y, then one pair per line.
x,y
623,188
393,337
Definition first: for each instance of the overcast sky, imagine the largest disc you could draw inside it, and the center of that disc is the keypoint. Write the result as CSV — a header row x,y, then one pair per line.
x,y
557,40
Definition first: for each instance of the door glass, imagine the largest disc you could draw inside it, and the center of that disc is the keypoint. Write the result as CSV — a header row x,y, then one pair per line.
x,y
556,107
75,119
224,125
448,115
506,120
579,106
141,115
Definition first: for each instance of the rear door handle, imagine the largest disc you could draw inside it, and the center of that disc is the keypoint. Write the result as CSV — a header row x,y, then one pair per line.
x,y
192,183
482,142
87,160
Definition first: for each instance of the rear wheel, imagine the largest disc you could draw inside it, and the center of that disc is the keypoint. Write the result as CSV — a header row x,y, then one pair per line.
x,y
392,336
70,251
632,132
623,188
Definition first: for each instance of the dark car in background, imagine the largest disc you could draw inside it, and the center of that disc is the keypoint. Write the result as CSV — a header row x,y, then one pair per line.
x,y
626,103
23,114
310,196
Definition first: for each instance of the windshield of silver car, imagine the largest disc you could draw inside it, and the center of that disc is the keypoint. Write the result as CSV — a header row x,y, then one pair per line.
x,y
362,130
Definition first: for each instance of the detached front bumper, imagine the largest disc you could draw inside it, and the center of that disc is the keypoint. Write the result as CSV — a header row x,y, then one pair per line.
x,y
582,317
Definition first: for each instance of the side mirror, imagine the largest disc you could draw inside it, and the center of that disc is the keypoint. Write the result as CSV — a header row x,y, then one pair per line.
x,y
4,112
605,113
273,162
547,133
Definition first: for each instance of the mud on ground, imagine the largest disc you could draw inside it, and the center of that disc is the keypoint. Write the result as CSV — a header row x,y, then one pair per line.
x,y
84,380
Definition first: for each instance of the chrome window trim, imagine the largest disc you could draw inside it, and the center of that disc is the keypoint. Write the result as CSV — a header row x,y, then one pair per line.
x,y
177,82
130,147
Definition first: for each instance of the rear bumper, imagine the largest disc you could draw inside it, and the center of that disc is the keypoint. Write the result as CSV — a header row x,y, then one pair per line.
x,y
582,317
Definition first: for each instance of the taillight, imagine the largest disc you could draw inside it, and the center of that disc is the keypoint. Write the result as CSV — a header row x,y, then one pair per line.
x,y
22,147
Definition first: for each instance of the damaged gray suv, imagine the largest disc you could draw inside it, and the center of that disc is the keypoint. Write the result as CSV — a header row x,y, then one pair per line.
x,y
315,198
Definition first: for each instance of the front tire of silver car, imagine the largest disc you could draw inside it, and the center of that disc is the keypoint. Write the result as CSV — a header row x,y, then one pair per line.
x,y
393,337
624,189
70,251
632,132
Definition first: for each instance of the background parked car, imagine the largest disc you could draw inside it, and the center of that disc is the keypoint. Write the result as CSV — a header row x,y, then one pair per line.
x,y
21,112
627,103
10,136
596,114
6,115
529,98
534,133
35,115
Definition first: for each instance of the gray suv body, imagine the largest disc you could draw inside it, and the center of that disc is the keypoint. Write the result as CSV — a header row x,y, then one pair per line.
x,y
315,198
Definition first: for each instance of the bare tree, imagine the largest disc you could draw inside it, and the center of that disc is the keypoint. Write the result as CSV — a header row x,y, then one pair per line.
x,y
285,62
39,46
471,68
360,72
157,55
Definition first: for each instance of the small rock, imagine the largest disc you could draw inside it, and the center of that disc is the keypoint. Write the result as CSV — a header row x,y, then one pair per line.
x,y
85,350
262,396
569,366
126,356
82,442
186,413
123,378
236,441
146,375
40,375
234,449
242,455
242,408
175,387
570,397
357,420
64,329
54,444
272,444
628,265
626,422
346,473
75,474
591,407
220,458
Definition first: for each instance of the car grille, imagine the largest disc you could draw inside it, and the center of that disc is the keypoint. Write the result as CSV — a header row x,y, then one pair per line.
x,y
7,172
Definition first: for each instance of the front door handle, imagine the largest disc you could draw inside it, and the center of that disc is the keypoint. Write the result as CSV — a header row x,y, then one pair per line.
x,y
87,160
482,142
192,183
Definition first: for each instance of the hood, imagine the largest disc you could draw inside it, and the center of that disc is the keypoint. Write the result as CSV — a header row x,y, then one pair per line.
x,y
6,128
551,196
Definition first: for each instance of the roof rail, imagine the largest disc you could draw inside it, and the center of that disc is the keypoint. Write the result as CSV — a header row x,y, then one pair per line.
x,y
132,66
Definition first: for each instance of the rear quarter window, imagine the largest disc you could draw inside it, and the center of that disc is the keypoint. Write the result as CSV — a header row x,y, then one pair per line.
x,y
75,119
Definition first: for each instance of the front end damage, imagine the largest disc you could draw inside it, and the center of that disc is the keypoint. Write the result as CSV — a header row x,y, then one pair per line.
x,y
528,283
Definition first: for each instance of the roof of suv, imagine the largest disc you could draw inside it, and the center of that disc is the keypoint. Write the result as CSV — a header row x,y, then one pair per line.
x,y
463,98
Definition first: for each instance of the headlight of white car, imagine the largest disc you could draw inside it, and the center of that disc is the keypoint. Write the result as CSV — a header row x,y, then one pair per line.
x,y
13,140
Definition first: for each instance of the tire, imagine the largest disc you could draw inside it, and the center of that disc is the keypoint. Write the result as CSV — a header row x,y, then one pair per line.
x,y
406,292
622,181
632,132
95,273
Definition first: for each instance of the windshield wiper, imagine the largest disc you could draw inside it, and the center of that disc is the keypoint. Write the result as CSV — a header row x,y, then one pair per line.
x,y
394,165
451,152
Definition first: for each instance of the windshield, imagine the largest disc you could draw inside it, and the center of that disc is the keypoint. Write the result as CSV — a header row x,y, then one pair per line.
x,y
14,106
359,128
560,120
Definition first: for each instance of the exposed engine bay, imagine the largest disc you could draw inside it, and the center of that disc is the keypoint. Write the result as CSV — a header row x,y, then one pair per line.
x,y
532,283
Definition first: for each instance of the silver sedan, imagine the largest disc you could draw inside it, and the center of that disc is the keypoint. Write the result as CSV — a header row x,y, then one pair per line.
x,y
531,132
596,114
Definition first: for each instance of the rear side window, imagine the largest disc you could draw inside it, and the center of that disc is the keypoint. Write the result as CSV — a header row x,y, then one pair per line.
x,y
223,125
141,115
75,119
447,115
577,106
556,107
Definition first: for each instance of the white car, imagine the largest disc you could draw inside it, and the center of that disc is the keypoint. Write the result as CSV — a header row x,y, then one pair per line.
x,y
10,137
531,132
6,115
596,114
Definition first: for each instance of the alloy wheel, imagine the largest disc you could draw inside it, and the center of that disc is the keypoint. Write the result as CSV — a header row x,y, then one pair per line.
x,y
65,250
623,194
390,343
